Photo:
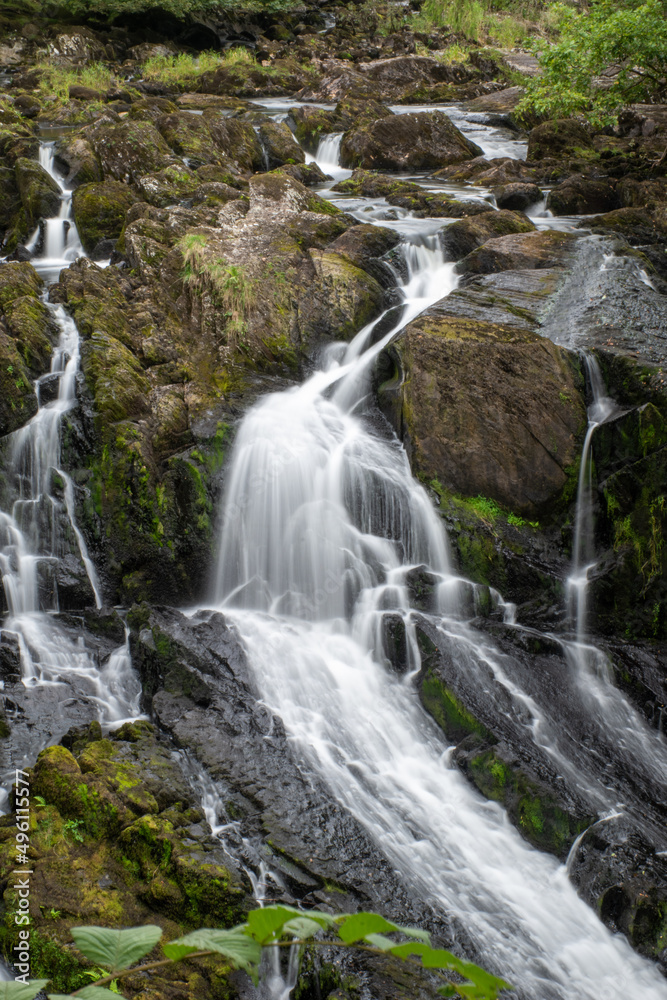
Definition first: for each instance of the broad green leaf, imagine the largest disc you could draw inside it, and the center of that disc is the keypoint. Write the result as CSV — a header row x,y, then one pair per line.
x,y
265,925
380,941
116,949
408,948
416,932
233,944
447,991
356,927
12,990
302,927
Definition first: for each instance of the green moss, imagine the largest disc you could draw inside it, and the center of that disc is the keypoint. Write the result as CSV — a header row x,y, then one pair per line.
x,y
450,714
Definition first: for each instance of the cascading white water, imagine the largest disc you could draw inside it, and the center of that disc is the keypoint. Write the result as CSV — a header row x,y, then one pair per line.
x,y
327,156
600,409
321,520
61,244
33,537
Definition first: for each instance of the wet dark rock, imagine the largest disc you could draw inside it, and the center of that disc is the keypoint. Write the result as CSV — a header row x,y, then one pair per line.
x,y
636,225
462,237
40,195
78,160
306,173
103,250
559,139
498,171
311,839
49,387
424,141
582,196
99,211
517,196
10,656
78,92
485,429
546,249
279,145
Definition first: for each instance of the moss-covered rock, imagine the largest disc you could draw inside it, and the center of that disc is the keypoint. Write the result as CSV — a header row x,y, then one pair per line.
x,y
99,211
40,195
279,145
76,157
129,150
10,199
484,428
583,196
563,138
463,237
347,298
118,841
428,140
547,249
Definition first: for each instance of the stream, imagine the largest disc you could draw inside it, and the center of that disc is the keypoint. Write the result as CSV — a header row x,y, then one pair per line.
x,y
321,523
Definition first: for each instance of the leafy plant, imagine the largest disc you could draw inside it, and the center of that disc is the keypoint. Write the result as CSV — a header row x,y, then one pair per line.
x,y
626,41
269,927
73,828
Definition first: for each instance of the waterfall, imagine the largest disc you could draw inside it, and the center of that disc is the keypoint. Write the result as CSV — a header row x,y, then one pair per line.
x,y
39,527
56,238
321,521
600,409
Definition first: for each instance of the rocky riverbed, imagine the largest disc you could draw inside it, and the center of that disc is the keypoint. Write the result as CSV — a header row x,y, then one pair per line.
x,y
224,233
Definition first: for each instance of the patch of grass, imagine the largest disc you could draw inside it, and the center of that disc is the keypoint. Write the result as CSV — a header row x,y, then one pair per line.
x,y
185,69
58,79
234,291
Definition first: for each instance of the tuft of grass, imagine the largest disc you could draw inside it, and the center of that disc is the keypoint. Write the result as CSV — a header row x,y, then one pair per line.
x,y
57,80
184,69
229,284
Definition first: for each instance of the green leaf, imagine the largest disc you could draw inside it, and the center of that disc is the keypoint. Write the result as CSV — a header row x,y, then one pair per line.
x,y
233,944
447,991
21,991
380,941
302,927
356,927
266,924
416,932
116,949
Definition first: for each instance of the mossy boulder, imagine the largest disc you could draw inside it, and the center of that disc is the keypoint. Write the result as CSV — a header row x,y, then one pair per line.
x,y
10,199
344,300
75,156
469,397
18,401
462,237
119,841
583,196
424,141
40,195
413,197
546,249
100,210
279,144
129,150
561,139
168,186
312,124
638,226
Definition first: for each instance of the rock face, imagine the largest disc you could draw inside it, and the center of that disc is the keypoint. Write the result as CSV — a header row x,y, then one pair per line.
x,y
26,342
583,196
424,141
100,210
463,237
560,139
519,251
120,841
40,195
484,428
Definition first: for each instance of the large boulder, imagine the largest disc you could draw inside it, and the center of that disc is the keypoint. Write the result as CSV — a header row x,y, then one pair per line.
x,y
487,408
561,139
517,196
583,196
462,237
638,226
76,156
279,145
129,150
100,210
40,195
424,141
546,249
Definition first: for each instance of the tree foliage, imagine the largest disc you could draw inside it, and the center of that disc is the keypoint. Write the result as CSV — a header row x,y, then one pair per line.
x,y
267,927
606,57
